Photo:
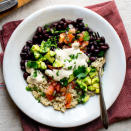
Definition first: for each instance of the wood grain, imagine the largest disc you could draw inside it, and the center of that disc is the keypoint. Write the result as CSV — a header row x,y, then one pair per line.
x,y
20,4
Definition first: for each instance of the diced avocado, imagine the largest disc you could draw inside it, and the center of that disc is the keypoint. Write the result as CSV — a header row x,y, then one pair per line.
x,y
57,63
71,78
35,48
97,91
43,47
49,58
93,74
81,84
88,69
37,55
96,85
42,59
87,80
85,99
95,80
41,65
91,88
52,53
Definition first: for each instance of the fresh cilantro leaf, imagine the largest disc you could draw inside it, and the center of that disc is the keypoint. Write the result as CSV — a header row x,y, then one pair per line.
x,y
32,64
35,88
93,69
70,67
35,74
43,94
81,75
80,72
101,54
64,82
28,88
86,36
57,73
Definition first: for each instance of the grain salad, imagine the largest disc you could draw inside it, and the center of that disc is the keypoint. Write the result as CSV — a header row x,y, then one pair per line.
x,y
61,63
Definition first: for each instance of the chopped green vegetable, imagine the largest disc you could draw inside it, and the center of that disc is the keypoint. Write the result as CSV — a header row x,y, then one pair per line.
x,y
57,63
97,91
87,80
86,36
91,88
57,73
49,57
28,88
96,85
32,64
70,67
64,82
42,94
85,99
71,78
35,48
95,80
101,54
37,55
80,72
35,88
88,69
93,74
82,85
52,53
35,74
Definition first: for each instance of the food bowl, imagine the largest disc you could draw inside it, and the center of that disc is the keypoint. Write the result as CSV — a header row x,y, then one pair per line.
x,y
112,80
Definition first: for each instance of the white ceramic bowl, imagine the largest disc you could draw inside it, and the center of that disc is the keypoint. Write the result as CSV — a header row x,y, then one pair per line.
x,y
112,80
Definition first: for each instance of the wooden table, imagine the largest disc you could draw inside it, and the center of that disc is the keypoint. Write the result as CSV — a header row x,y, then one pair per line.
x,y
9,119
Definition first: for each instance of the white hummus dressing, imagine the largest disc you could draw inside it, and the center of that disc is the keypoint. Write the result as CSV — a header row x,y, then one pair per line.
x,y
64,57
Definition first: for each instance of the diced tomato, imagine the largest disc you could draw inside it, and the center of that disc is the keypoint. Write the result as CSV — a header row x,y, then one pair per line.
x,y
69,38
50,90
73,84
50,97
73,30
53,83
63,91
68,98
80,37
57,87
62,37
84,44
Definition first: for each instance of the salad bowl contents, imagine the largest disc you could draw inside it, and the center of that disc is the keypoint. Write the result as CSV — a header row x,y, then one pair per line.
x,y
61,63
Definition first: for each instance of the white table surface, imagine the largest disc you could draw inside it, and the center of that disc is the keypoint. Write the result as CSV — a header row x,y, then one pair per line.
x,y
9,119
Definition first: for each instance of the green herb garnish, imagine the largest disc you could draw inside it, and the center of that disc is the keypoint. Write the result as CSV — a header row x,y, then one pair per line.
x,y
35,74
57,73
101,54
64,82
28,88
86,36
70,67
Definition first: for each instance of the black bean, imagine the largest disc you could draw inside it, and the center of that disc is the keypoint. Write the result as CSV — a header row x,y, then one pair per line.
x,y
79,20
96,51
39,30
101,44
107,45
92,48
102,39
35,38
92,59
59,27
61,23
40,36
29,43
95,43
44,32
68,22
91,38
90,31
85,28
46,35
63,19
23,68
65,25
22,63
81,24
25,75
104,47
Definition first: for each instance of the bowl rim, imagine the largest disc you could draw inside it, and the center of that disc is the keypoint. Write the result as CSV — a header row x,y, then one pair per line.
x,y
44,10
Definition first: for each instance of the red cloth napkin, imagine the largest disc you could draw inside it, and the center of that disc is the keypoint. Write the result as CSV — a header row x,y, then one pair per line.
x,y
121,109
